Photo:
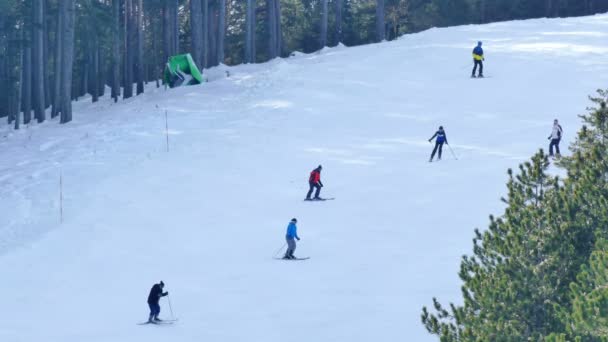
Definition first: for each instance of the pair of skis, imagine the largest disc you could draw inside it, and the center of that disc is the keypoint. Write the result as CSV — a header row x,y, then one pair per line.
x,y
295,259
318,199
163,322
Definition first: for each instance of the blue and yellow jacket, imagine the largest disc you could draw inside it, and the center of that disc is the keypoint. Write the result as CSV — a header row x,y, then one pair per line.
x,y
478,53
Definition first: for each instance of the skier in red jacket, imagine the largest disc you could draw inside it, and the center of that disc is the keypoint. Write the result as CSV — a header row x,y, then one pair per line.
x,y
315,182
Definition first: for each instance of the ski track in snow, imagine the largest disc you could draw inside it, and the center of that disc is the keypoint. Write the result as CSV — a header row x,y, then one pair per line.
x,y
207,216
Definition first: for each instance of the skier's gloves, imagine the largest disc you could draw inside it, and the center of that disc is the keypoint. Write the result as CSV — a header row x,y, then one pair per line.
x,y
166,293
298,238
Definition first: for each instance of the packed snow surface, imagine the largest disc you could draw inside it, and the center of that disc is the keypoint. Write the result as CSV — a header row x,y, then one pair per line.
x,y
208,216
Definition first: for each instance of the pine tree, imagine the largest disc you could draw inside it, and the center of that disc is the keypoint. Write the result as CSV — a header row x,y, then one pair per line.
x,y
517,285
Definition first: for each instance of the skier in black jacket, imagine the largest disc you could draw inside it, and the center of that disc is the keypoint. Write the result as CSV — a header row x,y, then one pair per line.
x,y
153,298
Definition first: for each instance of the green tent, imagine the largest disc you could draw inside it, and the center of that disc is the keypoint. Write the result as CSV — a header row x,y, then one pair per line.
x,y
181,70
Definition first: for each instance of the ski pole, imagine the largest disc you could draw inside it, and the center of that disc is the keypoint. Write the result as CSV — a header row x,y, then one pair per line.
x,y
279,250
170,308
465,66
453,154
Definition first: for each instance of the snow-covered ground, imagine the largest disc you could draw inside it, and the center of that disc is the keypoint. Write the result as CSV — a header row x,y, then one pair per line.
x,y
207,216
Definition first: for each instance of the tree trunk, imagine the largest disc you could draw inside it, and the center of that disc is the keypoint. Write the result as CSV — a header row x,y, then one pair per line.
x,y
38,59
116,50
83,87
27,85
323,38
175,26
250,32
272,32
339,7
59,54
17,111
156,74
278,29
167,31
221,30
205,34
213,37
47,56
380,24
140,47
128,53
196,28
101,72
68,14
94,70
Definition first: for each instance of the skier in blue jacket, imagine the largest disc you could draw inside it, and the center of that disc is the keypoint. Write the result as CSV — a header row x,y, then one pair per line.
x,y
291,237
478,59
441,138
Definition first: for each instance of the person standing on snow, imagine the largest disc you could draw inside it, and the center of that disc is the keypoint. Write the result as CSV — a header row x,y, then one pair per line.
x,y
153,298
441,138
478,60
314,181
291,237
555,137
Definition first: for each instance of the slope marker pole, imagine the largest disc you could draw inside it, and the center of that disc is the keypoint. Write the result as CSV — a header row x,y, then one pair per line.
x,y
167,129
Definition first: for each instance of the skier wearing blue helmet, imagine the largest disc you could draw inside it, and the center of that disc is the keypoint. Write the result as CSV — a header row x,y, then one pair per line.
x,y
478,59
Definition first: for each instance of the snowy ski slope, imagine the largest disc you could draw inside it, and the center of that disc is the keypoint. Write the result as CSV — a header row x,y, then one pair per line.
x,y
208,216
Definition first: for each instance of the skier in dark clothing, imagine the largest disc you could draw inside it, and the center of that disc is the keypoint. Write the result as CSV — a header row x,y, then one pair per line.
x,y
478,60
441,138
314,181
153,298
291,236
555,137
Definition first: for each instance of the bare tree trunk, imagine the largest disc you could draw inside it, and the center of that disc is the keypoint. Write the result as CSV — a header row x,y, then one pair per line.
x,y
167,31
26,85
157,74
323,38
67,11
17,112
38,59
140,47
175,25
221,30
339,8
94,73
47,57
206,34
128,53
380,23
83,87
213,37
116,50
278,29
59,53
272,32
250,32
196,27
